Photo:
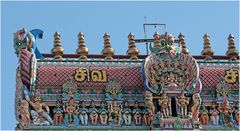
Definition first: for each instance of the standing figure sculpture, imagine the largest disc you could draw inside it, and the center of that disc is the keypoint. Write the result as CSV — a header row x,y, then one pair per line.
x,y
204,118
24,114
83,114
165,103
115,113
149,101
38,106
103,114
195,107
58,114
71,112
225,110
183,102
93,113
214,116
127,116
137,114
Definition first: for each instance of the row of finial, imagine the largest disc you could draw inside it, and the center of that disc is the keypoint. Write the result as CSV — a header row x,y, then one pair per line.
x,y
133,51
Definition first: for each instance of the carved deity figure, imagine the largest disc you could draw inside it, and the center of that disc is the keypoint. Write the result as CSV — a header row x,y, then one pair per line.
x,y
226,113
24,114
225,110
149,101
103,114
71,112
115,112
83,114
137,114
93,113
196,105
127,114
214,116
165,103
148,117
204,118
58,114
38,106
183,102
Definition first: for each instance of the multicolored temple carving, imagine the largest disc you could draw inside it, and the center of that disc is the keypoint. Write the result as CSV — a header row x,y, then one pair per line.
x,y
167,89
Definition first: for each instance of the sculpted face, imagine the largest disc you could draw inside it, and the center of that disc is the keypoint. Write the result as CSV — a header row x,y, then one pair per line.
x,y
166,41
37,99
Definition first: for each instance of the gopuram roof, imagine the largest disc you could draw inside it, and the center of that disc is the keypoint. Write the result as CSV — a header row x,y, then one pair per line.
x,y
165,89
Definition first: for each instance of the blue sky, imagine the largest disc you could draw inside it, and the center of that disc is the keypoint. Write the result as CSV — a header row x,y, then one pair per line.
x,y
193,19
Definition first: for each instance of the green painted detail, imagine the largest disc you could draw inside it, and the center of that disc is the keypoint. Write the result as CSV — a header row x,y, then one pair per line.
x,y
49,90
177,124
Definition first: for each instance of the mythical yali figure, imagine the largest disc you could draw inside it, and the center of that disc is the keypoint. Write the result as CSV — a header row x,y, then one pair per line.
x,y
71,112
127,116
103,114
182,102
165,103
38,107
93,113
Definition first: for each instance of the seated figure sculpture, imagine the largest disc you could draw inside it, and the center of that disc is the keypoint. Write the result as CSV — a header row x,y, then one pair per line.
x,y
204,118
137,114
58,113
148,116
103,114
38,107
83,114
93,113
127,116
214,116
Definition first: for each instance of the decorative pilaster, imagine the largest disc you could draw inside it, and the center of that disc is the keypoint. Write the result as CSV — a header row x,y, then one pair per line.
x,y
132,51
82,49
181,39
156,39
57,50
107,51
207,52
232,52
